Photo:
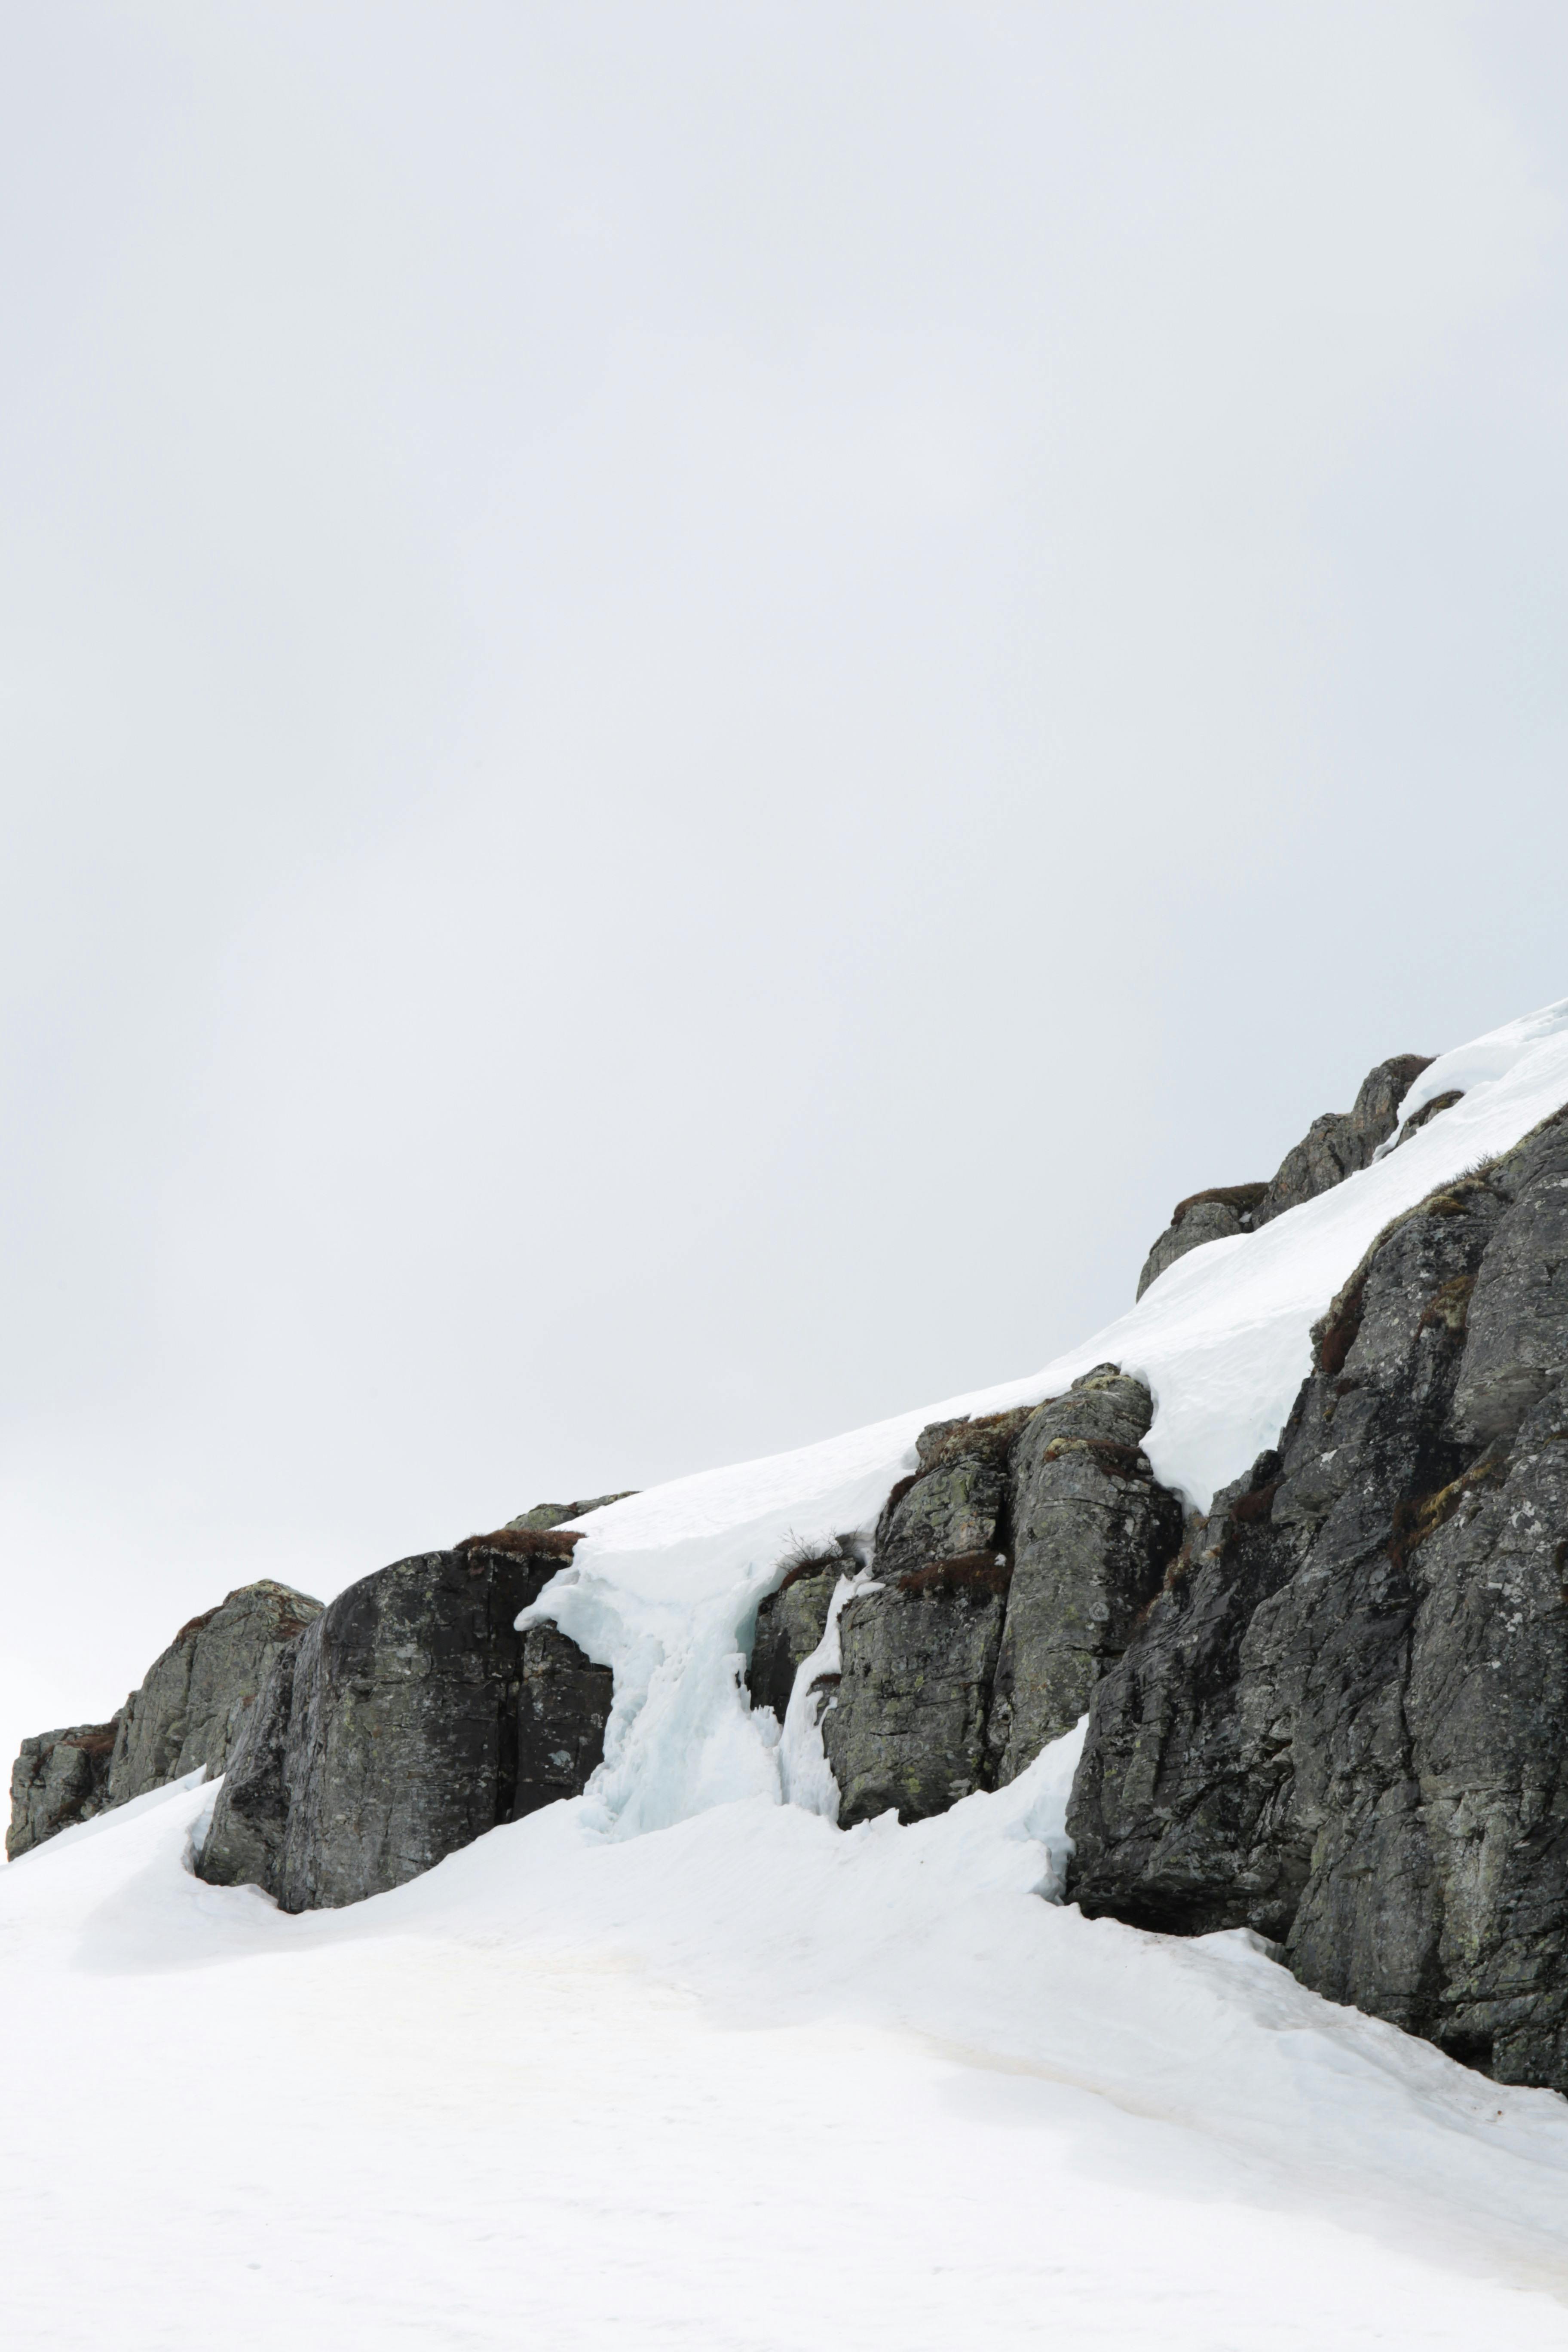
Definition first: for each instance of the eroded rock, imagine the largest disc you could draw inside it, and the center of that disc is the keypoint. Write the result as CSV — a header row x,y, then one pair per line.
x,y
1341,1142
1010,1569
563,1704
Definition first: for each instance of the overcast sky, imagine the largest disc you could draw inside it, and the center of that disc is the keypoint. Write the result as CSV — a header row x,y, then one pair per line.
x,y
695,699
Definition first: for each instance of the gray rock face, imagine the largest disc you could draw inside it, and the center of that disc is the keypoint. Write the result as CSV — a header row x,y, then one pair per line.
x,y
1011,1569
60,1777
1205,1217
244,1843
183,1718
1341,1142
1334,1148
1093,1535
410,1718
792,1621
955,1501
564,1706
906,1726
195,1697
1343,1722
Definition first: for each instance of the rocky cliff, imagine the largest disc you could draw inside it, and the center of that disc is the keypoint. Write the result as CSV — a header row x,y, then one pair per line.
x,y
1343,1721
1330,1709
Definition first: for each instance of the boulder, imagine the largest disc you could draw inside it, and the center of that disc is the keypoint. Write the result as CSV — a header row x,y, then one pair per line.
x,y
409,1719
1011,1569
1093,1536
1345,1722
60,1777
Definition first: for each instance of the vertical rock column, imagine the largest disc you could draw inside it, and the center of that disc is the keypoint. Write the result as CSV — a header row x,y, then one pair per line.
x,y
1093,1535
906,1728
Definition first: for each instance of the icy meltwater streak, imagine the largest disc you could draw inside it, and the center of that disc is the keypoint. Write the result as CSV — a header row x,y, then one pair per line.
x,y
664,1587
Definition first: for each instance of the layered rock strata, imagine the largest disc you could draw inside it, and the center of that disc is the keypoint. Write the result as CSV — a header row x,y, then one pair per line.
x,y
408,1719
1334,1146
1341,1723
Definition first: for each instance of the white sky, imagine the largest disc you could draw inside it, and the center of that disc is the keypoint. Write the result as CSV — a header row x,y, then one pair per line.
x,y
694,700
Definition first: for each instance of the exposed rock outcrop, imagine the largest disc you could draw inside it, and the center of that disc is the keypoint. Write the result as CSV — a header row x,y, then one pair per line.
x,y
1212,1216
183,1718
1011,1566
192,1704
60,1778
408,1719
545,1516
792,1619
906,1726
1342,1723
563,1704
1341,1142
1334,1146
1093,1535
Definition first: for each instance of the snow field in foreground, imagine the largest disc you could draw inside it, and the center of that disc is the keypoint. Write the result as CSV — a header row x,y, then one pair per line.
x,y
745,2083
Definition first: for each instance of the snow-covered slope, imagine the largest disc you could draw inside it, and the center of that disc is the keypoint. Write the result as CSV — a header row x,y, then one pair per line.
x,y
743,2080
747,2082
